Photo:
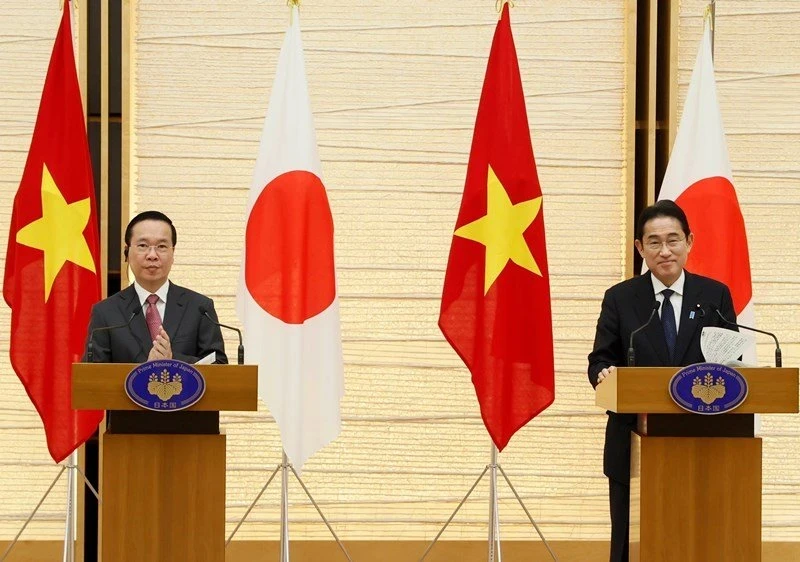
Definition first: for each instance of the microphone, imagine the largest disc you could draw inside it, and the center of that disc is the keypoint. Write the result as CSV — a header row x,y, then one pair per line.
x,y
240,354
778,354
90,345
631,352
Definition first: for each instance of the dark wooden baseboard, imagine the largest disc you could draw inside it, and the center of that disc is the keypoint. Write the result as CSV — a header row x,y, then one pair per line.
x,y
398,551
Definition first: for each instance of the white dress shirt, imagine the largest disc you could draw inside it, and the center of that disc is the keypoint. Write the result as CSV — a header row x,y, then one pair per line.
x,y
676,299
161,305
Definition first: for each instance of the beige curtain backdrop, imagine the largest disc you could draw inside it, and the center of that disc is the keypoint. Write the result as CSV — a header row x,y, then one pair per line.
x,y
394,90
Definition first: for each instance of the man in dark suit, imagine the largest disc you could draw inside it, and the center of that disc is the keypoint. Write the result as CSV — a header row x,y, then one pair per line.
x,y
169,321
664,240
170,324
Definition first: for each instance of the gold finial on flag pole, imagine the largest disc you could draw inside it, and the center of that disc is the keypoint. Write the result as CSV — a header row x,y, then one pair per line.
x,y
498,5
711,16
292,4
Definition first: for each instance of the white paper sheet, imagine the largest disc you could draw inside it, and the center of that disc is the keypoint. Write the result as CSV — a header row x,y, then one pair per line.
x,y
208,359
720,345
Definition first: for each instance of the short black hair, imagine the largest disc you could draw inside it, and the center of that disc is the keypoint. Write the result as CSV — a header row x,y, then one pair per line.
x,y
149,216
663,208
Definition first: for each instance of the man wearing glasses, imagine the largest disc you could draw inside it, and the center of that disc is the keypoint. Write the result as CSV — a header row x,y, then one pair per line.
x,y
664,240
165,321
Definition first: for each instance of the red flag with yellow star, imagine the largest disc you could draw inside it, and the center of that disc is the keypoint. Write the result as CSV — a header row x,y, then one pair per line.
x,y
496,300
51,276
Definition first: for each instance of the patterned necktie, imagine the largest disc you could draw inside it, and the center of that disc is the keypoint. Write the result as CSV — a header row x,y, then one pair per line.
x,y
668,321
152,317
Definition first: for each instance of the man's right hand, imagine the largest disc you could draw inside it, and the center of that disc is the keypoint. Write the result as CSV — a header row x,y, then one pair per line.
x,y
162,348
601,376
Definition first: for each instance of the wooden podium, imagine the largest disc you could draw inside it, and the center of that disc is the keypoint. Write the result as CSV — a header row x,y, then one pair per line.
x,y
163,492
695,480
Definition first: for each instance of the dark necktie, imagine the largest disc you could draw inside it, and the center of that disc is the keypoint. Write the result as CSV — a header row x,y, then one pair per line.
x,y
668,321
152,316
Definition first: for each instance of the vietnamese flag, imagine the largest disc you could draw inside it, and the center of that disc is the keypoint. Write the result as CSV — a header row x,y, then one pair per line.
x,y
495,308
52,275
699,179
287,297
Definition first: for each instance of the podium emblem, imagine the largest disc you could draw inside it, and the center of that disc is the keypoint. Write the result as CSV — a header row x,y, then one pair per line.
x,y
708,388
165,385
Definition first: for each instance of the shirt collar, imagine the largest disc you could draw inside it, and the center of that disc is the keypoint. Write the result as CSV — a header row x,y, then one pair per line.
x,y
143,294
677,286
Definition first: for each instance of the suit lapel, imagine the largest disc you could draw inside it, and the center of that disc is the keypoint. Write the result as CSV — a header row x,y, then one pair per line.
x,y
691,296
176,308
130,302
644,306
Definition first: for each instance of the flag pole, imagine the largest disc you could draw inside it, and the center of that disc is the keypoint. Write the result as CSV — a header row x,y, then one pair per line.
x,y
711,14
494,518
33,513
284,508
69,531
73,469
69,527
285,467
495,553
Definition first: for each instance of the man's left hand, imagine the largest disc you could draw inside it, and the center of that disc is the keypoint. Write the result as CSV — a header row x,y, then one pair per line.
x,y
161,347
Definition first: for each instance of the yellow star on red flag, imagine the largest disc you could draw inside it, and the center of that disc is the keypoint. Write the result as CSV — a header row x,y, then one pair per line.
x,y
501,230
59,232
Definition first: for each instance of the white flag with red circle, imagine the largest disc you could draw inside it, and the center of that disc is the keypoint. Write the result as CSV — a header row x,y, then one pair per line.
x,y
699,179
287,298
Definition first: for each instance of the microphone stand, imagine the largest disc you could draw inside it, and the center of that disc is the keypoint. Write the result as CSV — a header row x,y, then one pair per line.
x,y
240,350
778,353
631,351
90,343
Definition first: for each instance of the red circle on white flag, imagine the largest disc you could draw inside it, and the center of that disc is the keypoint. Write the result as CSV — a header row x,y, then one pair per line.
x,y
720,241
289,267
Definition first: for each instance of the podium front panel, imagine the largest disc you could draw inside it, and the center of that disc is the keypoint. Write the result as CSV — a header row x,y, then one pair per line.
x,y
163,498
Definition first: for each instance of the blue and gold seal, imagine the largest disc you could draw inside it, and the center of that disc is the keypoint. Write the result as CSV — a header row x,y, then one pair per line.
x,y
708,388
165,385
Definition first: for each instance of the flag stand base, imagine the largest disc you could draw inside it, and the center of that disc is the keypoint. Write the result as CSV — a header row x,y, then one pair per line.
x,y
69,531
285,468
495,553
